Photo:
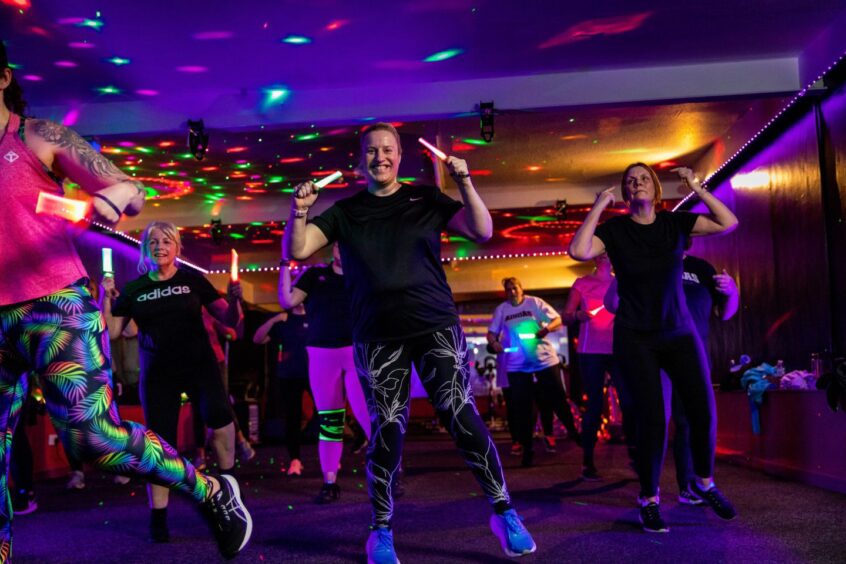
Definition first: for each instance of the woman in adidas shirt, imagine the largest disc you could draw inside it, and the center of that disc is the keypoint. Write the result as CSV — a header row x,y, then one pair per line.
x,y
176,356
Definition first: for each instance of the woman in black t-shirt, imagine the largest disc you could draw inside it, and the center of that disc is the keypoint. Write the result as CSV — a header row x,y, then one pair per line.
x,y
175,354
403,314
653,330
331,368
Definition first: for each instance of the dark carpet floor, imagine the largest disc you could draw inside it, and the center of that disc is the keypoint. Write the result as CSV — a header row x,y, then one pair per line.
x,y
444,518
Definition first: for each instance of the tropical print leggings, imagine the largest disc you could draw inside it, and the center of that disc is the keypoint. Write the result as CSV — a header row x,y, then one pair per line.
x,y
440,359
62,338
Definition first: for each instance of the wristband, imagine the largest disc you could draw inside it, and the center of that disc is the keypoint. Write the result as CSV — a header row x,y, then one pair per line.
x,y
110,203
296,212
461,175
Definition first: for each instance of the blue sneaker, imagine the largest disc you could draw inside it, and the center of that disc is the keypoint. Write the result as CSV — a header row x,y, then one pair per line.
x,y
512,534
380,547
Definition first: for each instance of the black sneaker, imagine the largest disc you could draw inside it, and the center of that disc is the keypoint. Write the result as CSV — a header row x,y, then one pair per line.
x,y
650,518
590,474
687,497
718,502
159,532
328,494
228,517
23,502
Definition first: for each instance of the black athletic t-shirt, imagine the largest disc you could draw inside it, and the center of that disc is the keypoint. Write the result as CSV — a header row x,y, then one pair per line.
x,y
391,250
701,293
169,315
647,261
327,308
289,344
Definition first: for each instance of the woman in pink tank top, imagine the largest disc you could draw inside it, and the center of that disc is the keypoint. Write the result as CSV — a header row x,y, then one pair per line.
x,y
50,325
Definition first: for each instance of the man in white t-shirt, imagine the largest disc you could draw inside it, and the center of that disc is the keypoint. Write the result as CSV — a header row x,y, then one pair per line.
x,y
518,330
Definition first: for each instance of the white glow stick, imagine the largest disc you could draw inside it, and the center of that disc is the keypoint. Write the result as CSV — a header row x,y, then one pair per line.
x,y
435,151
526,336
324,182
597,310
510,349
66,208
108,269
233,269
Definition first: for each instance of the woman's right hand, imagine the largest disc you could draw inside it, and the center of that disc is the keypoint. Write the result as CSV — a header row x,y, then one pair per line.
x,y
605,198
109,288
582,315
305,194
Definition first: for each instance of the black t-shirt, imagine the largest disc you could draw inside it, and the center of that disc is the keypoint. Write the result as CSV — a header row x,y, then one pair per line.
x,y
700,291
647,261
288,339
169,316
327,307
391,250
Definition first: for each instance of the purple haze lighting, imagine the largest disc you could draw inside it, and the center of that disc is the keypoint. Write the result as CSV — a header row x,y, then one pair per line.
x,y
192,68
213,35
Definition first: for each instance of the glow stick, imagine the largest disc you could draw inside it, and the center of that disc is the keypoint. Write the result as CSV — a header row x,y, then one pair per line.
x,y
324,182
435,151
526,336
597,310
510,349
57,206
233,269
108,269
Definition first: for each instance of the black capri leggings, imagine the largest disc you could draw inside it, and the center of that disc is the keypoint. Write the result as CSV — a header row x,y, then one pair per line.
x,y
161,389
641,357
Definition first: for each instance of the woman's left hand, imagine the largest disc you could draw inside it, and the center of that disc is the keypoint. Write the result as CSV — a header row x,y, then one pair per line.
x,y
458,168
725,284
234,291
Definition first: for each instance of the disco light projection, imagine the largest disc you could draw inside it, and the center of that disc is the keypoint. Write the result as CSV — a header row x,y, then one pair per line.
x,y
118,61
96,25
57,206
434,150
147,92
274,96
107,90
212,35
65,64
296,40
324,182
20,4
306,137
476,142
192,69
592,28
108,268
335,25
81,45
32,77
443,55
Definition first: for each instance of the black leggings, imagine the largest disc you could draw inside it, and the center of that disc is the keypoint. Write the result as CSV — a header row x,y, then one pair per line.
x,y
291,392
642,356
442,363
161,396
548,390
593,368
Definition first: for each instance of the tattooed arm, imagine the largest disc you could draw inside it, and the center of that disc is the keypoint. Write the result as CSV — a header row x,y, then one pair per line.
x,y
68,154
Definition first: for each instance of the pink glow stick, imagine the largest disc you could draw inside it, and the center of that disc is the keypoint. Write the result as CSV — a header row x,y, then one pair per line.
x,y
233,269
435,151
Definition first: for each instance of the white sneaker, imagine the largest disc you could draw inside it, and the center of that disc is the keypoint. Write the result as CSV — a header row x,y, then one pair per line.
x,y
77,480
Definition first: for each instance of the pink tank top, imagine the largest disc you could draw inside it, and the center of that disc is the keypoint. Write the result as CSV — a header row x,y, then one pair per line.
x,y
37,256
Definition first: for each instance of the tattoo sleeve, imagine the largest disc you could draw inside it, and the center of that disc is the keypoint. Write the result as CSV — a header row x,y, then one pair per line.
x,y
79,149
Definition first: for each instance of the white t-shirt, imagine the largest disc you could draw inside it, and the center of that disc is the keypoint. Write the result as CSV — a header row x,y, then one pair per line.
x,y
516,326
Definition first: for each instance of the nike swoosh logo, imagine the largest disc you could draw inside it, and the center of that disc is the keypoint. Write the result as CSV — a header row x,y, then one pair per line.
x,y
415,199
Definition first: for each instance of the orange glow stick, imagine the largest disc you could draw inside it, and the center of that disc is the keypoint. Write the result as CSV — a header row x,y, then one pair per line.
x,y
57,206
324,182
233,269
435,151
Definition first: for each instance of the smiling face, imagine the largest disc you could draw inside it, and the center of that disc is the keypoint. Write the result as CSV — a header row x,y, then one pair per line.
x,y
513,291
162,249
380,158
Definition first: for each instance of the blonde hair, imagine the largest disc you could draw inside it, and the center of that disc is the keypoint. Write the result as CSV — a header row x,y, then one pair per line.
x,y
170,231
514,280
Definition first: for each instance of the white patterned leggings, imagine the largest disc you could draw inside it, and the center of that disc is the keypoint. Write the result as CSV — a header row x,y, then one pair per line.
x,y
440,359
